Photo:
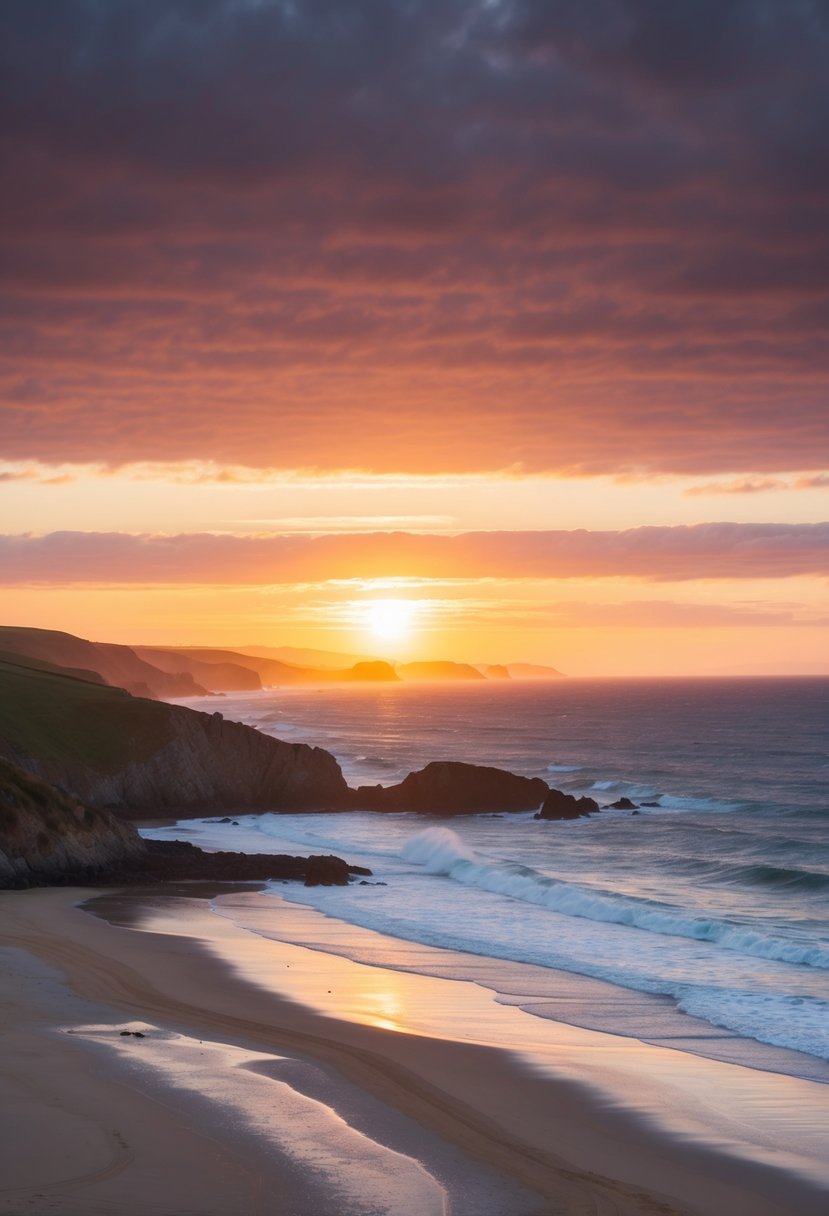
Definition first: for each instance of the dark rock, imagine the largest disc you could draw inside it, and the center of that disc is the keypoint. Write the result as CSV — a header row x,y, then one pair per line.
x,y
171,861
326,871
649,804
124,1033
622,804
558,805
447,787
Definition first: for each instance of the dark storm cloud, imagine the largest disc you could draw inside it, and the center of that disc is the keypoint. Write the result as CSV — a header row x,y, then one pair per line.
x,y
565,235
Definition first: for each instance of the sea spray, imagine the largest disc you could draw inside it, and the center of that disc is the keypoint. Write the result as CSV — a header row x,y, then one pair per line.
x,y
438,850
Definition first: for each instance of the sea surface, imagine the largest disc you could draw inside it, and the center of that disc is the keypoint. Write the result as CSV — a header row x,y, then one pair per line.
x,y
716,897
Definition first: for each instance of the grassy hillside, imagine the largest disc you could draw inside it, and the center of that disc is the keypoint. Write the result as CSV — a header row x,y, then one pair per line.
x,y
117,665
59,717
79,673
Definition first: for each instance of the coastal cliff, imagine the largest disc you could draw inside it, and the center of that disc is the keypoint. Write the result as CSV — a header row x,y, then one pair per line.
x,y
210,763
114,750
48,836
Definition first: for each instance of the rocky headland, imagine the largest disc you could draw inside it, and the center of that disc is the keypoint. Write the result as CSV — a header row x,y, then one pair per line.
x,y
139,756
48,837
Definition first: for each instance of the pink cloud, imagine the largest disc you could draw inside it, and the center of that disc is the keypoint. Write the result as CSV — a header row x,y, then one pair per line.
x,y
667,554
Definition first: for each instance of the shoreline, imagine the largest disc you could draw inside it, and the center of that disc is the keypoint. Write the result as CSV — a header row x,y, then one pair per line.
x,y
753,1009
542,1129
582,1001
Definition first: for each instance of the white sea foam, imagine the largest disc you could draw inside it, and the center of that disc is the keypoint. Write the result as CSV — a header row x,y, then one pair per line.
x,y
441,851
673,802
801,1023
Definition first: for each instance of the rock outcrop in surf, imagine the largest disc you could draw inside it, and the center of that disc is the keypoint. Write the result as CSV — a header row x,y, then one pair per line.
x,y
447,787
558,805
180,861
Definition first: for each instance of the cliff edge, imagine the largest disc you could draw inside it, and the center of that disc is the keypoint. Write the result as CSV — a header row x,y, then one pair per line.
x,y
131,754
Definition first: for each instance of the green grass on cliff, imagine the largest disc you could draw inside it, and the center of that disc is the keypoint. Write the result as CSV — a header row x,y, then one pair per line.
x,y
59,717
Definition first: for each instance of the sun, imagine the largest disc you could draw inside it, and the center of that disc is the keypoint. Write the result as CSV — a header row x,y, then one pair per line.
x,y
390,619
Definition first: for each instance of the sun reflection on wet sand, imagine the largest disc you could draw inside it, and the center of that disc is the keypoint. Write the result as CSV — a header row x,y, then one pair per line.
x,y
754,1119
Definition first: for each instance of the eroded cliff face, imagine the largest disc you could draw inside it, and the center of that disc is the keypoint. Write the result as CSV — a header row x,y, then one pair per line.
x,y
211,762
205,763
47,836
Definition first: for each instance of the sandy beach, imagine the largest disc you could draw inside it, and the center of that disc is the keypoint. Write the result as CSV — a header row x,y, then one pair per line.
x,y
306,1092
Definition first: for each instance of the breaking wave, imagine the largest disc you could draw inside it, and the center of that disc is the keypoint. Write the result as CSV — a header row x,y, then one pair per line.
x,y
441,852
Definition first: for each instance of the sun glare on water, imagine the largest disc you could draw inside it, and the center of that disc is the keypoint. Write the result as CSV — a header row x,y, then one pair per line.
x,y
390,619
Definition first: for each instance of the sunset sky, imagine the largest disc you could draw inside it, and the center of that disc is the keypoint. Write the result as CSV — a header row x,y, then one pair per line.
x,y
515,312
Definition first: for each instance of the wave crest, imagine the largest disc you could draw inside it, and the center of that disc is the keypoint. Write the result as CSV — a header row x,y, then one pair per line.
x,y
441,852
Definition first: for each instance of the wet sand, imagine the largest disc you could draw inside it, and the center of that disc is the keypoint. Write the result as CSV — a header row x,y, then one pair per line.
x,y
276,1078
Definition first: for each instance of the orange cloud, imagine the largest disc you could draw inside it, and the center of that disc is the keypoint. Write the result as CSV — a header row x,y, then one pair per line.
x,y
753,485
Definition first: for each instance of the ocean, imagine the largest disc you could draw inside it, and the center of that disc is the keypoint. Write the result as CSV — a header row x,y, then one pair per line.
x,y
715,899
